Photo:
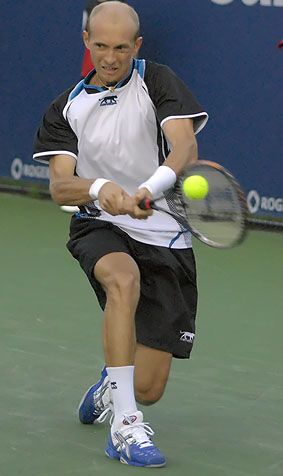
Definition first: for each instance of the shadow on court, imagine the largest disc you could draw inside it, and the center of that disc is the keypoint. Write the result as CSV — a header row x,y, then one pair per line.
x,y
223,410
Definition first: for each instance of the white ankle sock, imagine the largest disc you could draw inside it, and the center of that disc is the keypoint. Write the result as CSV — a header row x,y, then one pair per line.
x,y
122,390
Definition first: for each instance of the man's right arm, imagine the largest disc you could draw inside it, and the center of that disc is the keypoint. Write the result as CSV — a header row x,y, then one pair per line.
x,y
65,187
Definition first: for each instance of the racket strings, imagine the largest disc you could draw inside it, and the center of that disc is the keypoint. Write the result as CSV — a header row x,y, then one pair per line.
x,y
177,205
220,216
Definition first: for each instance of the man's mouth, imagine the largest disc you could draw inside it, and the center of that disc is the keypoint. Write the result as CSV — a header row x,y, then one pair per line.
x,y
109,69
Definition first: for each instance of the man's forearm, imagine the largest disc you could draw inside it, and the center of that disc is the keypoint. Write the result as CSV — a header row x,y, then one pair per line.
x,y
74,191
181,156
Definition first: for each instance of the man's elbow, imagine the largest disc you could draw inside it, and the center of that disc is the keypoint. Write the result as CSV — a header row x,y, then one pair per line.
x,y
57,193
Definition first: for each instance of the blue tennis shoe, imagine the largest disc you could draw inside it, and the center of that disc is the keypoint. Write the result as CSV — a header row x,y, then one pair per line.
x,y
130,443
96,403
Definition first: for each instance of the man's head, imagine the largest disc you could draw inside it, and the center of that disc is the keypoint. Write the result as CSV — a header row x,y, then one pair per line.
x,y
112,36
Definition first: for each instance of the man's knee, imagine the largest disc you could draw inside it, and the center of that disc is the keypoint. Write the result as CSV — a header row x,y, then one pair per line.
x,y
119,275
120,283
149,393
152,367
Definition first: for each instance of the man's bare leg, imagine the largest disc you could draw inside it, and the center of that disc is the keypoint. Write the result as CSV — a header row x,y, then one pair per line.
x,y
152,369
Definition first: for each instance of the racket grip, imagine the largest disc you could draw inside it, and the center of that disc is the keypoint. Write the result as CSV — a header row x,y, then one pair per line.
x,y
146,204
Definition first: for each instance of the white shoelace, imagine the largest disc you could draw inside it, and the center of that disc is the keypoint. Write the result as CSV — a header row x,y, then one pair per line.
x,y
134,433
103,416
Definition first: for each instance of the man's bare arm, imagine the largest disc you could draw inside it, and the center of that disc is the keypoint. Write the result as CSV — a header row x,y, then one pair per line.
x,y
184,150
65,187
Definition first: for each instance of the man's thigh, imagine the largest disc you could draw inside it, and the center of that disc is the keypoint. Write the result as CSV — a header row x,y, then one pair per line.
x,y
91,240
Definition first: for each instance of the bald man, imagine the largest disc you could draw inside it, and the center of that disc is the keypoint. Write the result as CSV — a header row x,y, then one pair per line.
x,y
124,133
87,64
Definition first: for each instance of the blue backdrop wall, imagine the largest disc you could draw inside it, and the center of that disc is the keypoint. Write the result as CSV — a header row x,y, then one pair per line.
x,y
225,50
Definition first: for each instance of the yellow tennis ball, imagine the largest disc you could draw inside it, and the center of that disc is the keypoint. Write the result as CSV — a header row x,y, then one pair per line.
x,y
195,187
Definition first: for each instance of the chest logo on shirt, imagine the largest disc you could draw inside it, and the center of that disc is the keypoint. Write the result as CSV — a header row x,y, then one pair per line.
x,y
108,101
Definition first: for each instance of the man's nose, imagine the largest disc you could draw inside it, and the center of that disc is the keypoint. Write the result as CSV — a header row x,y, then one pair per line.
x,y
110,57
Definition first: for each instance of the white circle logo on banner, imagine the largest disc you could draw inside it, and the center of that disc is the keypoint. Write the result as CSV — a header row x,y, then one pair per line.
x,y
17,169
253,201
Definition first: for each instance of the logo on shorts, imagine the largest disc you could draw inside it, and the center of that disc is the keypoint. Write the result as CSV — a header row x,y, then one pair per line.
x,y
187,337
113,385
108,101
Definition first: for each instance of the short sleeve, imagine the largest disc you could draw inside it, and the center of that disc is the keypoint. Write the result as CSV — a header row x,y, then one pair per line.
x,y
55,135
171,97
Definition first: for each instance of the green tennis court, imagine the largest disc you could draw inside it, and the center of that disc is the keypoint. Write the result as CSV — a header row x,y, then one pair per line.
x,y
222,413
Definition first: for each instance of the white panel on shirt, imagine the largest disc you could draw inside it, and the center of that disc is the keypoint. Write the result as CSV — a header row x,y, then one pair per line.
x,y
119,142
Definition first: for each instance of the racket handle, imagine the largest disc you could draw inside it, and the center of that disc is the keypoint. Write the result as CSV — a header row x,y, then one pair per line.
x,y
146,204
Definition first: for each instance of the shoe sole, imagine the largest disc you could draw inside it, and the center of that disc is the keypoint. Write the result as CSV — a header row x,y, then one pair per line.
x,y
161,465
114,455
132,463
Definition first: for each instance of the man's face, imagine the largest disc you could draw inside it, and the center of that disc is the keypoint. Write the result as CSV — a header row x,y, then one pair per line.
x,y
112,47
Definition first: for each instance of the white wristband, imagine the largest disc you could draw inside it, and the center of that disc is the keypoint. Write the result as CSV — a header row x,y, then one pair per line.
x,y
162,179
96,186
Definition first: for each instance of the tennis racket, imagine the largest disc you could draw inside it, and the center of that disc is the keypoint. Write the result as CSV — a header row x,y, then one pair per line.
x,y
218,220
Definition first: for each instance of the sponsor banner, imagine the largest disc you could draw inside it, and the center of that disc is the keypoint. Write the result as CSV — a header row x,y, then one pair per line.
x,y
260,204
21,170
226,51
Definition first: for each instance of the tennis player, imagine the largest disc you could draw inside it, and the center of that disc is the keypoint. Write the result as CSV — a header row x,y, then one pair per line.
x,y
122,134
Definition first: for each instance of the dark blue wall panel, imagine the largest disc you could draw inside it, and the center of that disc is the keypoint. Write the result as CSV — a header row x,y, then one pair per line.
x,y
227,54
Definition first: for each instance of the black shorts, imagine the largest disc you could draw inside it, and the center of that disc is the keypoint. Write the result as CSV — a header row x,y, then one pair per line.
x,y
165,316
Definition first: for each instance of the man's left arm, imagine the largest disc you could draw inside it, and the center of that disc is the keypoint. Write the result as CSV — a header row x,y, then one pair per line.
x,y
183,145
183,153
180,137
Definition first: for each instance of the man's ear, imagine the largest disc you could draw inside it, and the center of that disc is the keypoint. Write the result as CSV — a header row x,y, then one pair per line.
x,y
138,43
86,39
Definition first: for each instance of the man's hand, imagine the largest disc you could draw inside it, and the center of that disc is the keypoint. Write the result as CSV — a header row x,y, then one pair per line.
x,y
135,211
111,198
114,200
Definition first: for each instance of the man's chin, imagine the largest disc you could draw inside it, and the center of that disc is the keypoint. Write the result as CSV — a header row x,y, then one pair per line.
x,y
109,77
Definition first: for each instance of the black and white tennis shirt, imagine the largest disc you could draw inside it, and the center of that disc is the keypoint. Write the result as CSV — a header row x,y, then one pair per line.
x,y
118,136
